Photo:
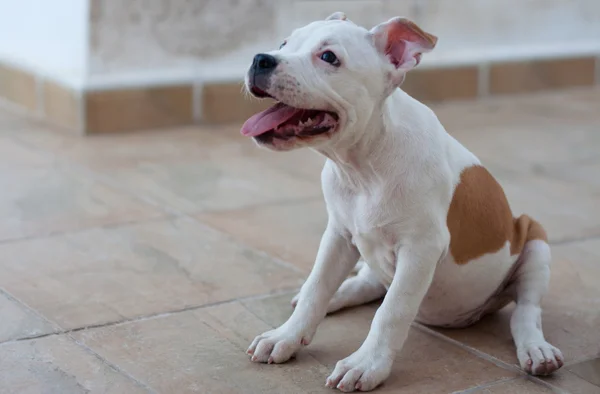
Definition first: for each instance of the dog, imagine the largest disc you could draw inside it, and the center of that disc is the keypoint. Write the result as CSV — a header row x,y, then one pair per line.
x,y
428,226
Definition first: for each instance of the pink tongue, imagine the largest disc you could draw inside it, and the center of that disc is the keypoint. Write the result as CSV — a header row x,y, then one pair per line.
x,y
268,120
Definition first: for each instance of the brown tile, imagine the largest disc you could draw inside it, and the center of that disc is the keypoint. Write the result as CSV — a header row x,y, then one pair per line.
x,y
227,103
425,365
138,109
573,384
62,106
18,87
442,83
41,201
57,365
18,321
291,232
529,76
570,309
515,386
109,274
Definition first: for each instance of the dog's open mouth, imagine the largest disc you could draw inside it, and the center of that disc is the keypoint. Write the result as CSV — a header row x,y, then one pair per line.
x,y
282,122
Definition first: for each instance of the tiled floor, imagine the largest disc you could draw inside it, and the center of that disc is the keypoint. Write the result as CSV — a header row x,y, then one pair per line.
x,y
147,262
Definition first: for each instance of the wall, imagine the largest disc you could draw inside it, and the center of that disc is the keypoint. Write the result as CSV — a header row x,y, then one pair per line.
x,y
46,37
102,44
212,40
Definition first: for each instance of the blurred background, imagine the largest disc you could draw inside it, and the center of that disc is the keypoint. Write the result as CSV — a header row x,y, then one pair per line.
x,y
71,61
144,242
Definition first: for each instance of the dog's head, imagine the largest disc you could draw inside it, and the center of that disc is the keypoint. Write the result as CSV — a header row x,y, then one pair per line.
x,y
328,77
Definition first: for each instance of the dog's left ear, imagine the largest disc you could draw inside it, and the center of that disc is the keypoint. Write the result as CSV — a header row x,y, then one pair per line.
x,y
402,42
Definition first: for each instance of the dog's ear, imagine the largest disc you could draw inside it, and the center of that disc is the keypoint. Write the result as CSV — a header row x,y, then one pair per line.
x,y
337,16
402,42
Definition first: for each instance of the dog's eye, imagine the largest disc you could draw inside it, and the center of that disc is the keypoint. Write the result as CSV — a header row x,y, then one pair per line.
x,y
329,57
282,44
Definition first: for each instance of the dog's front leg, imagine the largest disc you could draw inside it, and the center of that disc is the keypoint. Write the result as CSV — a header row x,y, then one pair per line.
x,y
371,364
335,259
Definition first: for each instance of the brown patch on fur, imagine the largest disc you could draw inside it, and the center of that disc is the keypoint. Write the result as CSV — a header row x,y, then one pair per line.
x,y
480,220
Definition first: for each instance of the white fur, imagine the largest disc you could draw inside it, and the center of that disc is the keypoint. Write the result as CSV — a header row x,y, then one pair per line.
x,y
388,182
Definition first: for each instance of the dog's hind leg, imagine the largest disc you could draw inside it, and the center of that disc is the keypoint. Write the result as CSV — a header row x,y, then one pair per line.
x,y
360,289
535,355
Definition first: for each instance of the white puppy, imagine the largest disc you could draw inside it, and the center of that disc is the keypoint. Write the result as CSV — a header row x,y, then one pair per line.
x,y
432,225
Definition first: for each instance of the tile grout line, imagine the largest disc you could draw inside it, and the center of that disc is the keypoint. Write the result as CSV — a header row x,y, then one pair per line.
x,y
282,202
260,252
486,385
168,210
308,353
581,360
164,208
111,365
59,233
55,326
542,382
472,350
151,316
487,357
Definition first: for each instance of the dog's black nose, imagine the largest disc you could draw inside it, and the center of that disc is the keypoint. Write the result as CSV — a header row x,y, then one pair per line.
x,y
264,63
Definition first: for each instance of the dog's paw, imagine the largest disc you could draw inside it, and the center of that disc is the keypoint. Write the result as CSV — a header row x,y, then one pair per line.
x,y
276,346
539,358
364,370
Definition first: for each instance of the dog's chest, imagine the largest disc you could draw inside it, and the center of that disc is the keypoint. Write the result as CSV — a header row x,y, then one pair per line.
x,y
374,230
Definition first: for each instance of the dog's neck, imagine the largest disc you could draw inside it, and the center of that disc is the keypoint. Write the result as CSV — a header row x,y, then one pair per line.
x,y
365,154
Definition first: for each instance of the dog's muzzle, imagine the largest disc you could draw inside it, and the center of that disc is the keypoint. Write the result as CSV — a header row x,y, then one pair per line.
x,y
260,71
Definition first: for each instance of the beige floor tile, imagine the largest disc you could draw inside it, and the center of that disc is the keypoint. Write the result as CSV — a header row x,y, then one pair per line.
x,y
39,201
567,211
203,351
524,133
8,119
106,153
191,169
425,365
571,310
529,148
291,232
587,173
588,370
104,275
573,384
56,364
17,321
113,151
227,183
515,386
16,155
